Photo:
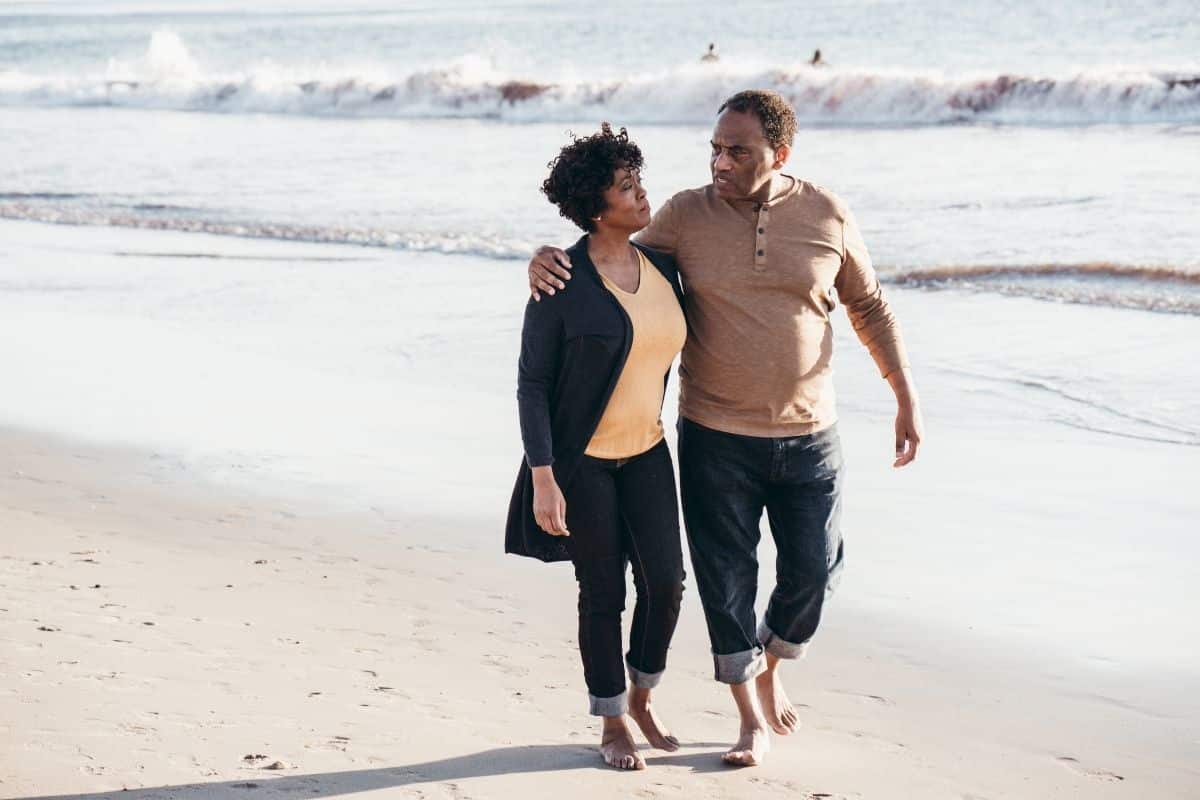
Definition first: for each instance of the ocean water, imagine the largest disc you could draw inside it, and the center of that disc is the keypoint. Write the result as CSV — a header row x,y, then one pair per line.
x,y
1046,151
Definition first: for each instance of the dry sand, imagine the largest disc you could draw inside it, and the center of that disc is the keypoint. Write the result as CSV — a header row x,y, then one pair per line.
x,y
176,639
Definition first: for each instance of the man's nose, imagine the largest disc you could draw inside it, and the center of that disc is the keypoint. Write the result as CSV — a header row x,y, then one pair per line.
x,y
722,163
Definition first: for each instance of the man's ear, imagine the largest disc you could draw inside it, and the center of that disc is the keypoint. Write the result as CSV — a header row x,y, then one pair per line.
x,y
781,155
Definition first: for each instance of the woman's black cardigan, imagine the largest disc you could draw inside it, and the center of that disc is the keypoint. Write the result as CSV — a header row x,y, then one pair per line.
x,y
573,347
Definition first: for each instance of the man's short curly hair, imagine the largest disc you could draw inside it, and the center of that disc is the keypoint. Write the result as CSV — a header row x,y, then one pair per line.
x,y
776,114
583,171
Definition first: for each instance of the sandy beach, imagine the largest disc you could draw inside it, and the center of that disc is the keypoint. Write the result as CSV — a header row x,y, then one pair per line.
x,y
180,640
210,586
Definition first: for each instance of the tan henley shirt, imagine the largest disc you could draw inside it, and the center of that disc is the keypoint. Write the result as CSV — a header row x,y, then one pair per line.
x,y
759,284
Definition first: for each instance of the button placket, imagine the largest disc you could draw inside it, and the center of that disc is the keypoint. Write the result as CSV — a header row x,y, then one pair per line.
x,y
760,240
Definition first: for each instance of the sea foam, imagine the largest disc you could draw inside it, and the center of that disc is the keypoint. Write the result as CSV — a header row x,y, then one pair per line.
x,y
169,77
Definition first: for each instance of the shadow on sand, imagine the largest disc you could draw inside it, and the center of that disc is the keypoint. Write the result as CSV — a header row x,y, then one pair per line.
x,y
500,761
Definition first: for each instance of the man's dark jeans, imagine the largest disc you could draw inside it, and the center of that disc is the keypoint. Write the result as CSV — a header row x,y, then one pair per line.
x,y
727,481
618,511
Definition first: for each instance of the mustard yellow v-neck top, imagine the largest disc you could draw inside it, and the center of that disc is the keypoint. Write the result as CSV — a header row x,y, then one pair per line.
x,y
632,420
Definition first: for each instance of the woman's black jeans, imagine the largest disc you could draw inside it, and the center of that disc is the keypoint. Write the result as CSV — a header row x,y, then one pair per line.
x,y
621,510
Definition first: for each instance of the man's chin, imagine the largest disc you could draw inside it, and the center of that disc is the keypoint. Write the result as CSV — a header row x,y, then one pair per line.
x,y
724,188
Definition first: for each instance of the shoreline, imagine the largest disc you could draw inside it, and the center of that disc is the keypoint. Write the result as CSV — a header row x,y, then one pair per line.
x,y
1089,283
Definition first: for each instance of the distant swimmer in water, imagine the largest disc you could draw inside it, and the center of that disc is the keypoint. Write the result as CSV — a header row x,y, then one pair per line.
x,y
816,60
711,55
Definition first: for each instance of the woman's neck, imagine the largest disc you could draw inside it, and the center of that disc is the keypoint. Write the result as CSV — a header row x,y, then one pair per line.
x,y
608,245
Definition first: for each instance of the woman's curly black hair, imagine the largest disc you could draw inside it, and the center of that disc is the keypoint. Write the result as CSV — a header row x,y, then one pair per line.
x,y
583,171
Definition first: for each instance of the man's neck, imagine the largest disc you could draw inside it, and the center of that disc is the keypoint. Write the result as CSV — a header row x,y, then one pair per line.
x,y
776,187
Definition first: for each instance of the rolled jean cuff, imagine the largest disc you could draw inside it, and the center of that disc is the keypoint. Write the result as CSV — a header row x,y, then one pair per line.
x,y
778,646
643,680
740,667
613,706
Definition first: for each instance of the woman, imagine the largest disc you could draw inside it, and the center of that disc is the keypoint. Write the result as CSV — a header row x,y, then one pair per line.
x,y
597,485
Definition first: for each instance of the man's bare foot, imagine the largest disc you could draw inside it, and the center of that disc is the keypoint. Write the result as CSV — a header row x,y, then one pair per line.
x,y
652,728
750,748
617,745
778,710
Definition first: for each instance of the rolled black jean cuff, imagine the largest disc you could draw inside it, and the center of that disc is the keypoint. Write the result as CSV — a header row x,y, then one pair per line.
x,y
735,668
779,647
613,706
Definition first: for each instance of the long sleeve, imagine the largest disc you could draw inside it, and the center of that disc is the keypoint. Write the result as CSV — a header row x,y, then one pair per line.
x,y
537,371
859,290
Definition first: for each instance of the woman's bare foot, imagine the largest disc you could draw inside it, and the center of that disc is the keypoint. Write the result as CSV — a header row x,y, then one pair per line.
x,y
750,749
778,710
617,745
652,728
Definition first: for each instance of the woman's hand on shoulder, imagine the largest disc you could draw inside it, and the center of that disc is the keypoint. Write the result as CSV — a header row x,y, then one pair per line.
x,y
549,505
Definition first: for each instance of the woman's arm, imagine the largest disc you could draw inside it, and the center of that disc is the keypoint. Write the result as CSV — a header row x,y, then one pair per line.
x,y
537,372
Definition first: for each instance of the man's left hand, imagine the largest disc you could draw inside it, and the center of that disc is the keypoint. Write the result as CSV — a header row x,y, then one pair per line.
x,y
910,429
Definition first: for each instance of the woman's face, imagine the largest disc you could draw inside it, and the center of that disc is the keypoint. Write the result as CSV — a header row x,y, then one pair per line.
x,y
626,206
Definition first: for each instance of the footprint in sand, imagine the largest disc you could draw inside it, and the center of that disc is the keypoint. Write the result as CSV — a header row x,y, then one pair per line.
x,y
1096,774
428,644
501,663
874,698
795,789
879,741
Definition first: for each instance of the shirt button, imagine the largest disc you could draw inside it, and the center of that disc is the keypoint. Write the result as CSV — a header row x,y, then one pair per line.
x,y
762,230
761,252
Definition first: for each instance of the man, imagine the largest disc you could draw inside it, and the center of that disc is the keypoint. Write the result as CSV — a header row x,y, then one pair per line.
x,y
762,255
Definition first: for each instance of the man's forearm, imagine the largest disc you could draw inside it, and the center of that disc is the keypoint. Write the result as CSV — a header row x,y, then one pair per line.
x,y
903,386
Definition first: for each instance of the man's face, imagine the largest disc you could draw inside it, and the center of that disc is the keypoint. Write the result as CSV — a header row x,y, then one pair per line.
x,y
742,160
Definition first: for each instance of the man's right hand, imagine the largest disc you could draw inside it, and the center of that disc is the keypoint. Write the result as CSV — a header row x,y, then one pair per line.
x,y
549,269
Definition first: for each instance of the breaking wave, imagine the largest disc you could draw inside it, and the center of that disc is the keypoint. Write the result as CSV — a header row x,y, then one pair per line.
x,y
1150,288
147,217
169,77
